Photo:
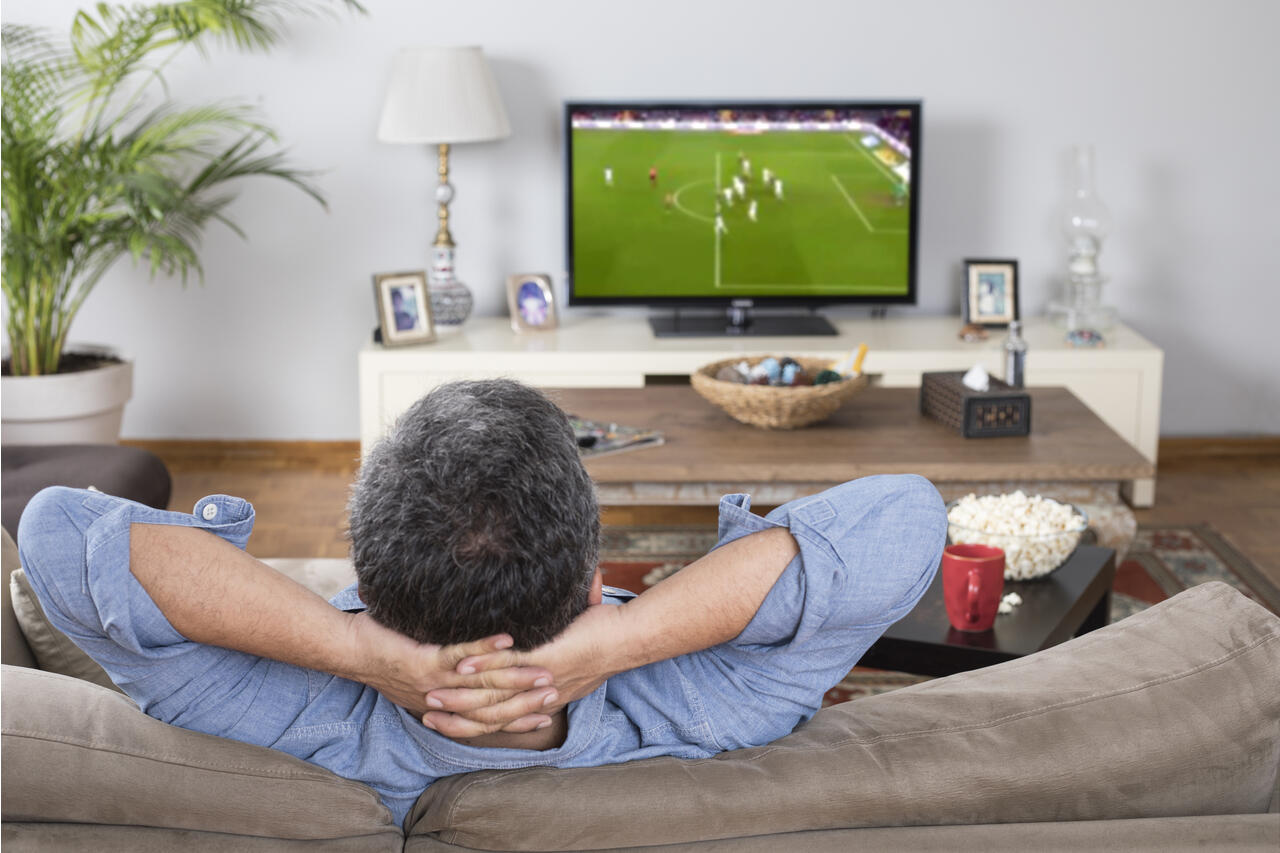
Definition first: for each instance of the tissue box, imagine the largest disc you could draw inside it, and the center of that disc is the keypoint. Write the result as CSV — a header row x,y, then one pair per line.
x,y
1002,410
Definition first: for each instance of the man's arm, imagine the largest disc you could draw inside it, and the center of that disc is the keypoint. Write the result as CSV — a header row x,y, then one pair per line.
x,y
870,549
212,592
707,603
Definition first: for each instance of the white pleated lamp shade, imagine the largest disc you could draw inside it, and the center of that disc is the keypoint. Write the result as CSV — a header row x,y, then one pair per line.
x,y
442,94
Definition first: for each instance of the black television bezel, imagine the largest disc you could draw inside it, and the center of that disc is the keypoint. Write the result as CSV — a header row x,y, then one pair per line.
x,y
916,106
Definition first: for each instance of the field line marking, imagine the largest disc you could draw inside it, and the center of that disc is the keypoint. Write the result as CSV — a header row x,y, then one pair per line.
x,y
852,203
884,170
686,211
714,230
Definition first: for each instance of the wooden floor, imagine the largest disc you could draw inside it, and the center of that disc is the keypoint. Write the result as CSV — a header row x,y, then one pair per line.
x,y
300,491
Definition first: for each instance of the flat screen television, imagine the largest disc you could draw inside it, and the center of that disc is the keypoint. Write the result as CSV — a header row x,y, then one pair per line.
x,y
742,206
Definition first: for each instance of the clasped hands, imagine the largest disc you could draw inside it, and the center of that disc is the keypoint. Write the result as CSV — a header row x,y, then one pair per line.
x,y
476,688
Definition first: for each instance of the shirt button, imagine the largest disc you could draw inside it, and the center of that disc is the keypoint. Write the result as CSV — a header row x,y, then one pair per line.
x,y
210,511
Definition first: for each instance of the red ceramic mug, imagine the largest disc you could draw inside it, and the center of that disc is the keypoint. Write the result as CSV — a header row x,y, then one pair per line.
x,y
972,583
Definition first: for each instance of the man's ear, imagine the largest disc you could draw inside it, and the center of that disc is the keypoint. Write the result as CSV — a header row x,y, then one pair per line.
x,y
596,596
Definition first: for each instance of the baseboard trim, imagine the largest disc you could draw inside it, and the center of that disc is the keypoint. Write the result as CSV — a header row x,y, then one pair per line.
x,y
204,455
1203,447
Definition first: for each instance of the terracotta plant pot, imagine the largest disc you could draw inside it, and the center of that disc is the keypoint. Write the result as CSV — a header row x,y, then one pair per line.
x,y
80,407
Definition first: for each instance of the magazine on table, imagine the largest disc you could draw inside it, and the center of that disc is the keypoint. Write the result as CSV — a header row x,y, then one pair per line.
x,y
596,438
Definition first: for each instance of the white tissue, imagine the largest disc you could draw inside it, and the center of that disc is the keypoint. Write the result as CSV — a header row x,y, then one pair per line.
x,y
977,378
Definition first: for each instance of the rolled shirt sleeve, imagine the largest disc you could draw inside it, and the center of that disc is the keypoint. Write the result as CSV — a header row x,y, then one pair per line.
x,y
74,547
868,551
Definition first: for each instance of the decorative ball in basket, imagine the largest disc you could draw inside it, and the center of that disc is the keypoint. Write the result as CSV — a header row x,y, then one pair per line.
x,y
816,395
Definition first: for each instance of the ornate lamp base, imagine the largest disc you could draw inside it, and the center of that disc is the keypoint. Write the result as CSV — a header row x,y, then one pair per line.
x,y
451,301
450,305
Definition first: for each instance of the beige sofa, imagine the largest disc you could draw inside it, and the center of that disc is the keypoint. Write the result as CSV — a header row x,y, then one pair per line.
x,y
1161,732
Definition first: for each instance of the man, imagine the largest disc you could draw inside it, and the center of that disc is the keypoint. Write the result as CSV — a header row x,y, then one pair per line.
x,y
608,176
653,176
474,523
752,210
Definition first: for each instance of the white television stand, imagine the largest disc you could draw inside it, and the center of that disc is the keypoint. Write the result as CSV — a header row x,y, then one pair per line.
x,y
1120,382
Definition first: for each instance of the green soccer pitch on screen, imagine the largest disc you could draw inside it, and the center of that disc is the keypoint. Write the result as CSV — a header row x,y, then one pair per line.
x,y
783,203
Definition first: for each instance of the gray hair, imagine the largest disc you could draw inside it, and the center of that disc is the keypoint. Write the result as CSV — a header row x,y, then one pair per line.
x,y
474,516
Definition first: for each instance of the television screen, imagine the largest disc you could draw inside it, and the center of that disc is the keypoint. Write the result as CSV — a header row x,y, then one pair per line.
x,y
783,203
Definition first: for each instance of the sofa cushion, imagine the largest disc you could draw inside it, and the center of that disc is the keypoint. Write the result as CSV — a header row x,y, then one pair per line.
x,y
76,753
1172,712
53,650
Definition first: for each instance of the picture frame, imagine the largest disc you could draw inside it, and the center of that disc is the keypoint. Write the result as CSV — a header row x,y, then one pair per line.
x,y
531,302
990,296
404,308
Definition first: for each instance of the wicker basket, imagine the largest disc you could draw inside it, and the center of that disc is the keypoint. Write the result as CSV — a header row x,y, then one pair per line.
x,y
774,407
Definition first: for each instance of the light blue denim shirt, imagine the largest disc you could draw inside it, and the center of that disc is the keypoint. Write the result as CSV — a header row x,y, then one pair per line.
x,y
868,551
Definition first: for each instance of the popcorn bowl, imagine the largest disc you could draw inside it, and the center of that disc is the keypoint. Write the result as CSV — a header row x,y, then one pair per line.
x,y
1030,550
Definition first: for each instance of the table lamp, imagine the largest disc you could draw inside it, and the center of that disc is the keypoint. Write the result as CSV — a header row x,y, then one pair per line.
x,y
443,96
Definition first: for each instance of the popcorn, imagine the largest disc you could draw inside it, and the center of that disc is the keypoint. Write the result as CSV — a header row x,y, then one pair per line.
x,y
1036,534
1008,601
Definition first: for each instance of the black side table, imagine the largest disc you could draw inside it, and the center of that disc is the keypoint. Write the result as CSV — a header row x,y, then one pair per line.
x,y
1073,600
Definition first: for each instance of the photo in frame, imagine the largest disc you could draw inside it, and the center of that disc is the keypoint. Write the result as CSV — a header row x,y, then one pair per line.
x,y
404,308
531,302
990,296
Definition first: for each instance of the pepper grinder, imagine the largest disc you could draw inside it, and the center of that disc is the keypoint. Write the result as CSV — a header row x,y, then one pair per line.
x,y
1015,356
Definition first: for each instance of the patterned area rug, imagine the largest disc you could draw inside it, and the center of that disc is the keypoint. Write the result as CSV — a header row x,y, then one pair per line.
x,y
1162,562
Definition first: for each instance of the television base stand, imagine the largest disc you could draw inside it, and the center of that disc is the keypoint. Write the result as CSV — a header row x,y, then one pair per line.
x,y
737,323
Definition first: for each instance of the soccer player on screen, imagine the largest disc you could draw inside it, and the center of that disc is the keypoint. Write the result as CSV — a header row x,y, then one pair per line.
x,y
721,228
751,210
608,176
669,201
777,188
653,176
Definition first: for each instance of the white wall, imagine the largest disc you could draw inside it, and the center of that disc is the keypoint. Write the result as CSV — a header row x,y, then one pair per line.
x,y
1179,98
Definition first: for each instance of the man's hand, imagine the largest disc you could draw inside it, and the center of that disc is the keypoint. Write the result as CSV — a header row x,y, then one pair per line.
x,y
579,661
710,601
505,697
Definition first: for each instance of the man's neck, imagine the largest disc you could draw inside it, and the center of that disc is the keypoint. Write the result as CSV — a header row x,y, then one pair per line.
x,y
548,738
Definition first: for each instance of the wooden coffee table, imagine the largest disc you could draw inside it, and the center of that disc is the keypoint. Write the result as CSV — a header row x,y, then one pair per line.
x,y
880,431
1073,600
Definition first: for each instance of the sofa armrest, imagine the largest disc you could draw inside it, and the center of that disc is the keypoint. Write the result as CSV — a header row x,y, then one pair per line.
x,y
14,650
1172,712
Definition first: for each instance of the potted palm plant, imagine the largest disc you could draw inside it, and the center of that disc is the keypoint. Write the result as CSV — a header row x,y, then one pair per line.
x,y
98,165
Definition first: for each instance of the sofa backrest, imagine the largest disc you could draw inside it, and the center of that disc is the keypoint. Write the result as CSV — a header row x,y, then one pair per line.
x,y
76,753
1171,712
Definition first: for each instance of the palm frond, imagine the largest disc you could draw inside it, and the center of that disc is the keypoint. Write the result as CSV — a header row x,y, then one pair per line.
x,y
89,176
